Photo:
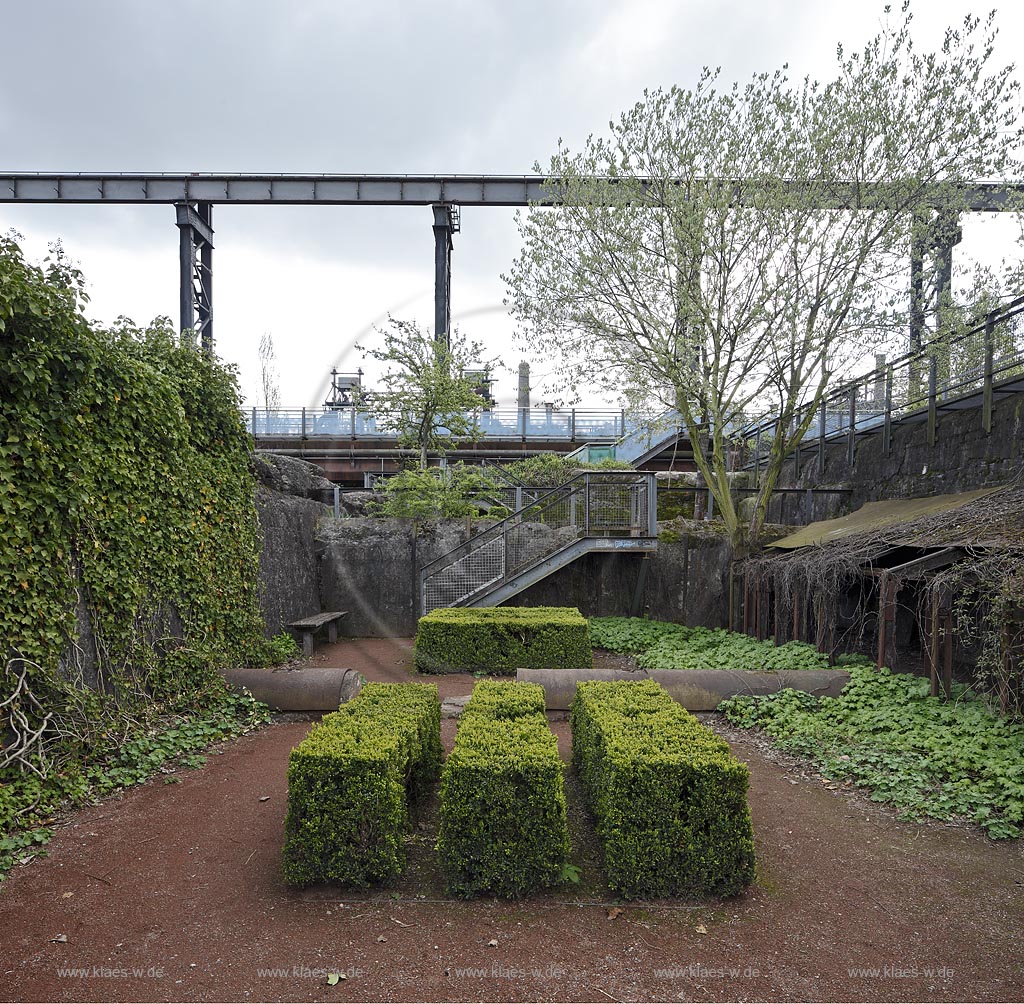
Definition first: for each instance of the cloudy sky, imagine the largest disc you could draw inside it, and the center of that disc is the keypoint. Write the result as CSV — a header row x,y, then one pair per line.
x,y
402,87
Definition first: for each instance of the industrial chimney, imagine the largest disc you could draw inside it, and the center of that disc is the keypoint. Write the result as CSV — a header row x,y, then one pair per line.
x,y
523,400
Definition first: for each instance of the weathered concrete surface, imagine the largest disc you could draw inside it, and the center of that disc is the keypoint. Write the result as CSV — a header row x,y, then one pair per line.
x,y
289,578
370,567
963,457
316,688
687,581
694,689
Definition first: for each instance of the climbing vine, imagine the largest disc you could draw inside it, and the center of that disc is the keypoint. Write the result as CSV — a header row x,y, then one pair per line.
x,y
128,533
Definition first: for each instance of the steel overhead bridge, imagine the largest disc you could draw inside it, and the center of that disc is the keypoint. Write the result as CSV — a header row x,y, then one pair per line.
x,y
194,195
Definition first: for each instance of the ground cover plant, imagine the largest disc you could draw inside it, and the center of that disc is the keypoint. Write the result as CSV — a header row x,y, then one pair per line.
x,y
351,782
662,645
503,823
926,756
129,545
668,798
501,639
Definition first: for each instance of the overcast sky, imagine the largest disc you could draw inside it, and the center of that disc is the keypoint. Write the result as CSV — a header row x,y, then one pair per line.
x,y
312,86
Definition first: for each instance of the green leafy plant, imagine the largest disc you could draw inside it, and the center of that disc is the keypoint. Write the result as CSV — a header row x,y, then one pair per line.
x,y
351,782
669,799
503,823
437,493
501,639
128,544
928,757
663,645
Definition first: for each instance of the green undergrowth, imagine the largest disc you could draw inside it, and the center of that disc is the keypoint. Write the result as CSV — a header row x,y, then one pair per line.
x,y
29,804
662,645
928,757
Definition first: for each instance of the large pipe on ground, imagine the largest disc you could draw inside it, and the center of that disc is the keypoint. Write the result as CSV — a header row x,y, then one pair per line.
x,y
694,689
318,688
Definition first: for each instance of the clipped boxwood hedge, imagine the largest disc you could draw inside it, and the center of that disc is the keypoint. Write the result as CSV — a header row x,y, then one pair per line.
x,y
503,825
669,799
350,783
502,639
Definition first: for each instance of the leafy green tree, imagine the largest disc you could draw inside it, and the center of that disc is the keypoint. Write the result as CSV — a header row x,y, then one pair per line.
x,y
724,252
437,493
427,398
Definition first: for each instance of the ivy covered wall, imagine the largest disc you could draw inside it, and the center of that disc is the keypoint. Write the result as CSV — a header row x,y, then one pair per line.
x,y
128,533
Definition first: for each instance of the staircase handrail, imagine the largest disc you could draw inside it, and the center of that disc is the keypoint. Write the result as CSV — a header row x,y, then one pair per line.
x,y
496,529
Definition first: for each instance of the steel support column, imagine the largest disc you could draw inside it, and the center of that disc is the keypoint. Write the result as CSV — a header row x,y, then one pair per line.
x,y
446,223
195,263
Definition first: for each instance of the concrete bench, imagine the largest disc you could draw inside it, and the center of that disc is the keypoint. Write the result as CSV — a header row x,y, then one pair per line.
x,y
310,625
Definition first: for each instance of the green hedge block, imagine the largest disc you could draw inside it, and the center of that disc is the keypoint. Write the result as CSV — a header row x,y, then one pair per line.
x,y
669,799
501,639
503,823
351,781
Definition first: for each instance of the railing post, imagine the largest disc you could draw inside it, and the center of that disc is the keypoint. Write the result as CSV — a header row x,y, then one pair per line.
x,y
851,443
986,394
821,439
586,505
254,421
522,422
352,421
572,426
887,425
652,505
303,423
932,409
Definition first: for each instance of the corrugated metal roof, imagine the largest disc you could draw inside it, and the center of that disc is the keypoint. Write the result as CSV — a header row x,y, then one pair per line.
x,y
879,516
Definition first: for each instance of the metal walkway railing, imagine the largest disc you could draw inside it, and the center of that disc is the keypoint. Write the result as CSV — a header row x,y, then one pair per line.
x,y
594,511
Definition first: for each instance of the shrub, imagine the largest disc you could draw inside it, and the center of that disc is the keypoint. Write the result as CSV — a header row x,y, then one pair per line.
x,y
437,493
669,799
501,639
350,782
503,823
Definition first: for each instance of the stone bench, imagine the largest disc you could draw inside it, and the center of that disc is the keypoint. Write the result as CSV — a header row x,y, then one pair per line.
x,y
310,625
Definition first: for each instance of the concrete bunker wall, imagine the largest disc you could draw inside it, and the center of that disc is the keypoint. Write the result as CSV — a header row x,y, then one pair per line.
x,y
963,457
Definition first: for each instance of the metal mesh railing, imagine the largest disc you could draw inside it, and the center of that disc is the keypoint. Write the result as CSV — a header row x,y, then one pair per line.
x,y
613,504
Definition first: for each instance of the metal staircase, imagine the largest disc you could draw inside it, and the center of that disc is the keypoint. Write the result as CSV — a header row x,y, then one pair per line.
x,y
645,440
594,511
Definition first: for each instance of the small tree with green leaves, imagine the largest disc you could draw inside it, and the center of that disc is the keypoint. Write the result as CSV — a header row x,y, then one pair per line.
x,y
426,398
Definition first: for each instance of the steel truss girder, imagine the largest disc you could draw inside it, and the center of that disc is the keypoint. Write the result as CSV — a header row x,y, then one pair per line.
x,y
417,190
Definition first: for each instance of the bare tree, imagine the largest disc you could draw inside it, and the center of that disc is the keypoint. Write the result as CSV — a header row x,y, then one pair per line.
x,y
269,376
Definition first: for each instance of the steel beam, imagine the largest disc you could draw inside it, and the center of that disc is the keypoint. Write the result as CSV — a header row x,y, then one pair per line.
x,y
446,223
195,269
417,190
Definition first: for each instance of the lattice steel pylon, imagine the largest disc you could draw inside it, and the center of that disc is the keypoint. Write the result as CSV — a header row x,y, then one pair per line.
x,y
195,255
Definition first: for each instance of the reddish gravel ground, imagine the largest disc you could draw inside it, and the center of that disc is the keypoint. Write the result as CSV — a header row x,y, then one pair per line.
x,y
172,892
